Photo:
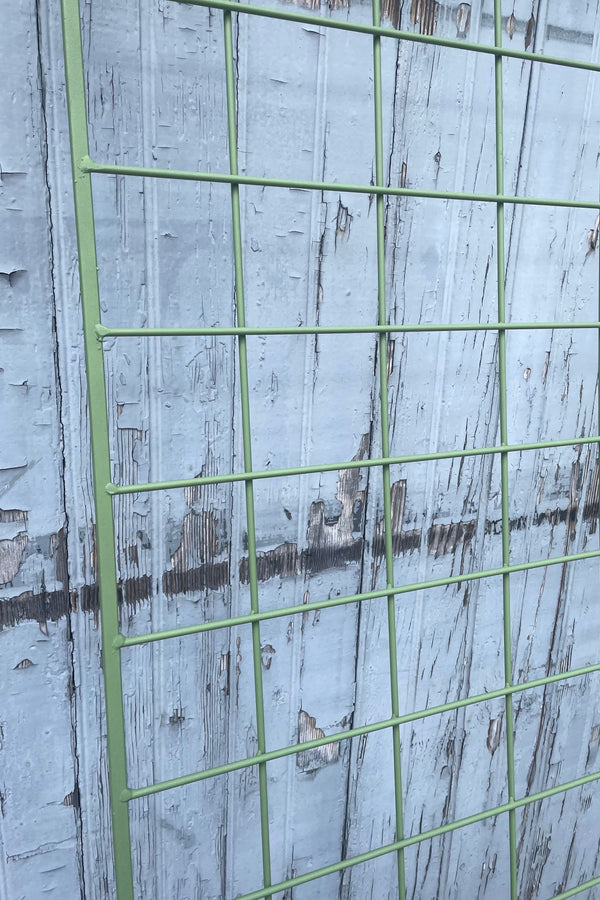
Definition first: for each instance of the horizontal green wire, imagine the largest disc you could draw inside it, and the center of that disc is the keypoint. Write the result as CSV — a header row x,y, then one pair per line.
x,y
578,889
395,33
116,489
89,165
104,331
272,755
419,838
121,640
414,839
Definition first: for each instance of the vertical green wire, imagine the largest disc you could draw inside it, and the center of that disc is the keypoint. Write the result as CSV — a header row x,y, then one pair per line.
x,y
99,436
247,444
99,432
510,740
385,445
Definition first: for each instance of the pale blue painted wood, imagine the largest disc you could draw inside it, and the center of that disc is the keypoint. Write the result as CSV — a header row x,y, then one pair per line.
x,y
156,97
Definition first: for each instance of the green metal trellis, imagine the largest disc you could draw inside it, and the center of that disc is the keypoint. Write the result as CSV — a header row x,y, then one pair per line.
x,y
94,333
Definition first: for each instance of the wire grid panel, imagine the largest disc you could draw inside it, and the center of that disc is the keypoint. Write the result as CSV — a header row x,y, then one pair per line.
x,y
502,452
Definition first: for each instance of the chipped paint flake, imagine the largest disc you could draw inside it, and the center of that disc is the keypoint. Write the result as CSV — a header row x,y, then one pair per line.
x,y
11,556
310,761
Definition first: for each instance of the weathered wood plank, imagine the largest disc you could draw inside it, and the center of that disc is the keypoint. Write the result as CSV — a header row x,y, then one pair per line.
x,y
156,96
39,816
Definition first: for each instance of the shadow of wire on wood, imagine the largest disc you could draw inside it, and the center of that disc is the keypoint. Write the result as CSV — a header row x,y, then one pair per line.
x,y
313,744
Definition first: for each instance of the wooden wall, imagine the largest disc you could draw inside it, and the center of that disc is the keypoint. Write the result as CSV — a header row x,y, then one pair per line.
x,y
156,96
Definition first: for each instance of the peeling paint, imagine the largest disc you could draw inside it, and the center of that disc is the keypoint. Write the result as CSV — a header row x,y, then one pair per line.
x,y
172,406
402,541
72,798
24,664
327,537
443,539
199,541
343,222
316,4
211,576
310,761
12,553
13,515
425,14
331,546
463,20
494,734
593,746
267,652
41,607
12,276
282,561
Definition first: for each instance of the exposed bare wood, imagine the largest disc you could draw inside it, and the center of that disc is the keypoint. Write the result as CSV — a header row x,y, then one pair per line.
x,y
156,96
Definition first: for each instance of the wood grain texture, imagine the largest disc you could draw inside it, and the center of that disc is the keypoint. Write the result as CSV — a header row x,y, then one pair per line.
x,y
39,812
156,95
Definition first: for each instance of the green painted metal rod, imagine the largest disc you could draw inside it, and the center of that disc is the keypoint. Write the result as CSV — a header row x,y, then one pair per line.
x,y
90,166
240,311
99,439
504,453
578,889
337,737
332,602
395,33
257,474
382,364
113,640
104,331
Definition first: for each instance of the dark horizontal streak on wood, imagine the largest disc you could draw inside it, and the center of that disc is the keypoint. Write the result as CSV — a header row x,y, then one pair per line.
x,y
283,561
